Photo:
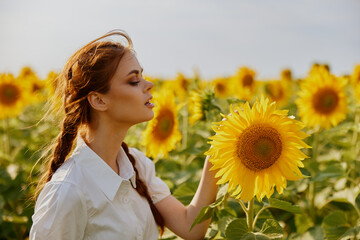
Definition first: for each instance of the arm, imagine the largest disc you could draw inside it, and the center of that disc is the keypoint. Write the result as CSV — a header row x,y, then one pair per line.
x,y
179,218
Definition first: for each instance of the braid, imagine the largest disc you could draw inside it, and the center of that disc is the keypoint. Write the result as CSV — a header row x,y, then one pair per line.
x,y
64,143
142,189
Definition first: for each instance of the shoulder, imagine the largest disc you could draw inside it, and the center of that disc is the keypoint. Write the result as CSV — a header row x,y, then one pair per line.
x,y
70,173
60,193
140,157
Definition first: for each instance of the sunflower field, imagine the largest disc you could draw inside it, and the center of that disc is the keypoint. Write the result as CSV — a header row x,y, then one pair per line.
x,y
286,150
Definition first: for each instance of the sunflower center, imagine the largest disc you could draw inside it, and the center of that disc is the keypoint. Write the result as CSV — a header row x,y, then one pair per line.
x,y
165,124
325,100
9,94
184,83
247,80
36,87
220,87
259,147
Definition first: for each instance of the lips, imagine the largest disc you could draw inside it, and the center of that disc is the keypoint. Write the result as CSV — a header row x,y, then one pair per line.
x,y
149,104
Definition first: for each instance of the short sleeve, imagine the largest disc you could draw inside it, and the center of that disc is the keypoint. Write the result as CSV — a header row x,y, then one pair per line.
x,y
157,188
60,213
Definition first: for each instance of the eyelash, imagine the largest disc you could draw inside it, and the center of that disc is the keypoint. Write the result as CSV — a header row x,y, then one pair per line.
x,y
134,83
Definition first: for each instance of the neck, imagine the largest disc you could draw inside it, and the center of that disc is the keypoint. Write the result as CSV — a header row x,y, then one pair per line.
x,y
106,142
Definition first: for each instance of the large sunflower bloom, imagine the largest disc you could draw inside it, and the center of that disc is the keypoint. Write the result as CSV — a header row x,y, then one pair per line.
x,y
256,149
322,100
161,134
14,96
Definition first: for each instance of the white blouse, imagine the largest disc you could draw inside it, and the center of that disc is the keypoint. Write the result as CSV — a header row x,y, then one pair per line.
x,y
86,199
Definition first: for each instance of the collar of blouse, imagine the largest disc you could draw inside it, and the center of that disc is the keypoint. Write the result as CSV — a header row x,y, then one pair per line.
x,y
108,181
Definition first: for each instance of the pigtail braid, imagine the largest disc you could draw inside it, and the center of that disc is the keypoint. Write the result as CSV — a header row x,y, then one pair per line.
x,y
142,189
64,143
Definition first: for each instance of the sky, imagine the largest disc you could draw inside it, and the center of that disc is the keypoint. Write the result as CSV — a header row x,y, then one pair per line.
x,y
212,37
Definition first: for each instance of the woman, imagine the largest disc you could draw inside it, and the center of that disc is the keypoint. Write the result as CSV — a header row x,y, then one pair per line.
x,y
106,190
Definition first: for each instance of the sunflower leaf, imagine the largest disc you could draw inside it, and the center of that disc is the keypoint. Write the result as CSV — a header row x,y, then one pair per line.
x,y
335,225
287,206
204,214
272,229
236,229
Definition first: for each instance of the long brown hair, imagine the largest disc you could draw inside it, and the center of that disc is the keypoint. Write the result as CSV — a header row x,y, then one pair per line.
x,y
89,69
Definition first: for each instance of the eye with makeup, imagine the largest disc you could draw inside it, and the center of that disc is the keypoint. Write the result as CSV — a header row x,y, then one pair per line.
x,y
134,81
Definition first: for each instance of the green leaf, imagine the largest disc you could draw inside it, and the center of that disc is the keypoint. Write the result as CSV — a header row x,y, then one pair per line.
x,y
185,192
207,212
204,214
287,206
236,229
272,229
255,236
225,217
352,233
335,225
303,222
334,219
357,201
332,171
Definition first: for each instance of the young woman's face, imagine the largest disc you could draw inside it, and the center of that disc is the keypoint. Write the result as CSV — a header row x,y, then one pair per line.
x,y
129,94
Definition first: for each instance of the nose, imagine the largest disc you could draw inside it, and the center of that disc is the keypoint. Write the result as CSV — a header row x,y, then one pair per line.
x,y
149,86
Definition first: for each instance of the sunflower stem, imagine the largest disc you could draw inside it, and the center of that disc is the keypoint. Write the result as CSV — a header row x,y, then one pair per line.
x,y
7,137
258,214
312,188
250,215
243,206
356,131
354,141
185,128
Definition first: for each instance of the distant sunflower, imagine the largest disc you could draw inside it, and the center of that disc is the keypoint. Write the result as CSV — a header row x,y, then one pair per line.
x,y
322,100
256,149
14,96
51,82
27,71
161,134
221,86
357,93
286,75
278,91
244,83
355,77
195,107
181,86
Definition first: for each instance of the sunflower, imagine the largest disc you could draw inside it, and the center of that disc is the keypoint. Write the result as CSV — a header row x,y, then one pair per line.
x,y
195,107
322,100
221,87
355,77
27,71
14,96
244,83
278,91
256,149
357,93
161,134
286,75
51,82
181,86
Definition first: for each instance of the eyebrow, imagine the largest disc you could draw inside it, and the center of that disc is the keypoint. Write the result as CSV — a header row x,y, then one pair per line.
x,y
135,71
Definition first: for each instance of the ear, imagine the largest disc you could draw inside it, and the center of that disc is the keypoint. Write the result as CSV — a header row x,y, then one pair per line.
x,y
96,101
